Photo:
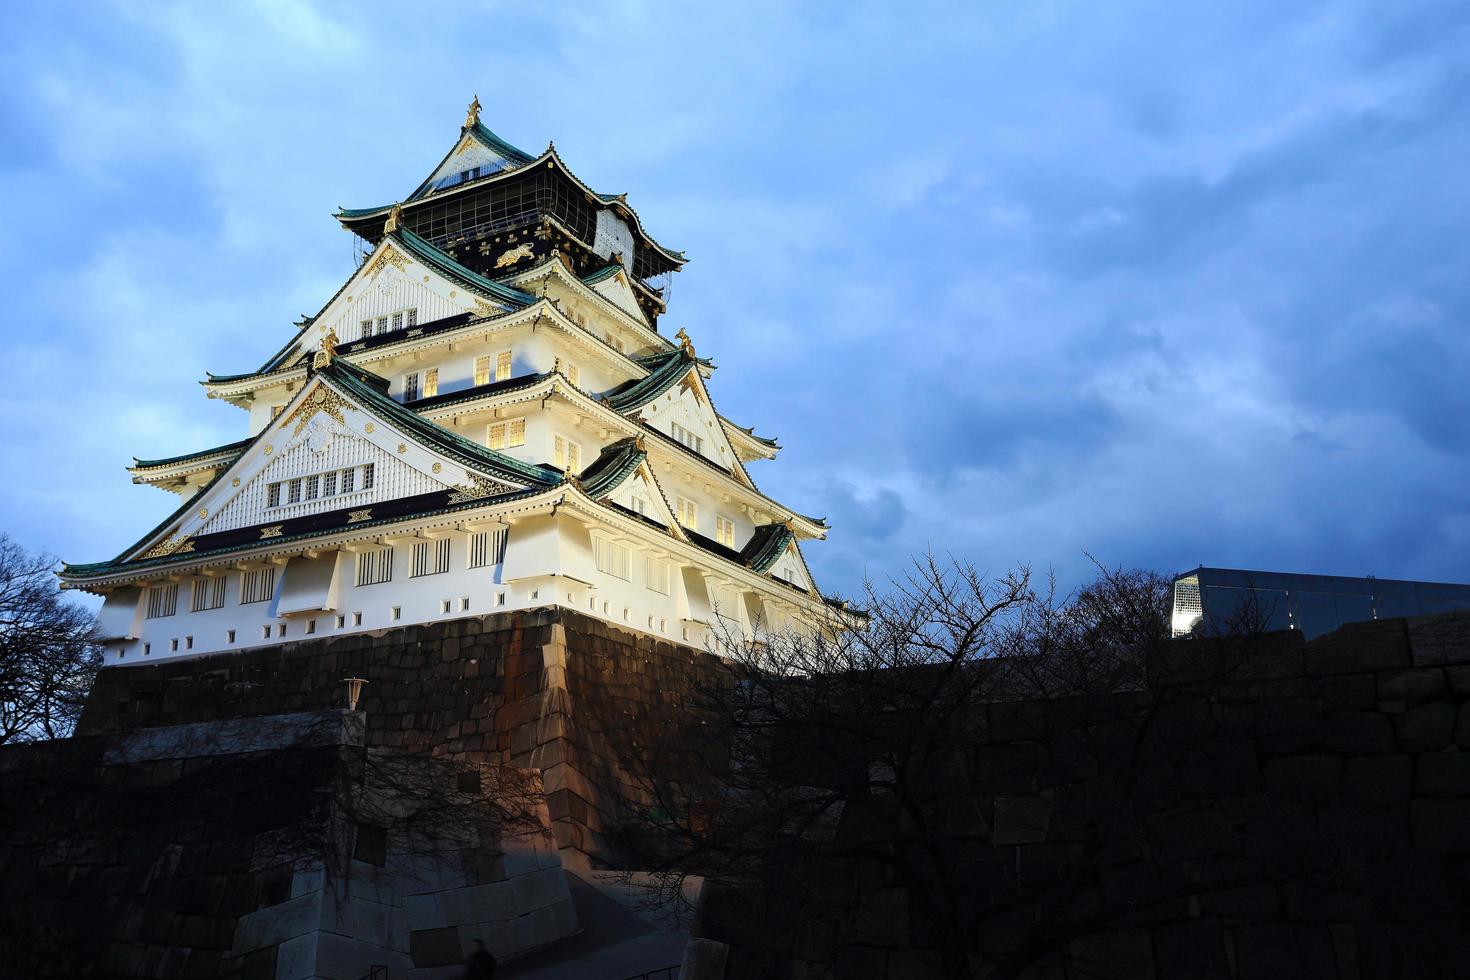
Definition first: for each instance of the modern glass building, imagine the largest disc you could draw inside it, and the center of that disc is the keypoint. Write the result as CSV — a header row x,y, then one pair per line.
x,y
1214,600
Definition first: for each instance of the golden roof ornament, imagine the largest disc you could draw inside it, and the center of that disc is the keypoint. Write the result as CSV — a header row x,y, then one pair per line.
x,y
328,350
395,218
472,114
685,343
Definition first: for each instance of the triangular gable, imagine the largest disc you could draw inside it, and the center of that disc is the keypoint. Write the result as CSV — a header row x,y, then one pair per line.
x,y
640,493
479,153
791,568
324,430
687,404
614,287
390,284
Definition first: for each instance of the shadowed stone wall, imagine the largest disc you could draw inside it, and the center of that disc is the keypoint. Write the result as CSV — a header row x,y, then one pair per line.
x,y
1268,809
548,689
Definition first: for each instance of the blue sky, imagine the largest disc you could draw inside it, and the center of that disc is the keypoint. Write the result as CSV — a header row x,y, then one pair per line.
x,y
1172,283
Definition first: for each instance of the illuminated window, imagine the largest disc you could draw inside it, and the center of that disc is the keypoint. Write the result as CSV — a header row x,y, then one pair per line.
x,y
612,558
686,511
411,386
567,455
431,382
482,370
688,438
724,531
502,365
656,571
504,435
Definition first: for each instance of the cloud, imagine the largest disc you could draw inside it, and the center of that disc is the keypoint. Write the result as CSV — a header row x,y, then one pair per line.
x,y
1174,285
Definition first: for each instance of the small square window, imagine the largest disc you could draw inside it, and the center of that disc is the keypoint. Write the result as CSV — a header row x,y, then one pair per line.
x,y
341,621
229,636
281,630
173,644
500,598
188,643
464,603
397,612
265,632
310,626
357,619
147,649
444,606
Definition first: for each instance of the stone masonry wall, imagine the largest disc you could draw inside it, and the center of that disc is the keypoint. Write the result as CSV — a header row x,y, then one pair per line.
x,y
548,689
1272,809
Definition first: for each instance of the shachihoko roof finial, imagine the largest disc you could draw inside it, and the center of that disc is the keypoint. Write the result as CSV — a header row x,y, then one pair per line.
x,y
328,350
685,342
395,218
472,114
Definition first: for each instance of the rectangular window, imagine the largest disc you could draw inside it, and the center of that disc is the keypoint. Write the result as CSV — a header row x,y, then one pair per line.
x,y
638,504
724,530
348,476
688,438
329,484
229,636
398,321
612,558
367,475
293,492
411,387
207,593
413,317
487,548
163,600
687,512
567,455
313,487
367,328
517,435
615,343
429,558
382,324
496,439
482,370
257,585
431,382
273,495
375,567
657,572
568,370
502,366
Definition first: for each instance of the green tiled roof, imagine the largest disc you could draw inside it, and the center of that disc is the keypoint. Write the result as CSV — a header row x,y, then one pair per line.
x,y
665,369
447,266
236,447
612,466
370,391
766,545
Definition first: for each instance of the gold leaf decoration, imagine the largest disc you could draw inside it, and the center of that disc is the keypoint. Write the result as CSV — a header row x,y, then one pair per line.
x,y
358,516
478,487
274,531
173,544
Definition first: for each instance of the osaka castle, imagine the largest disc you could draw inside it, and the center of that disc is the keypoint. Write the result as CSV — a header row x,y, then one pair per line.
x,y
486,416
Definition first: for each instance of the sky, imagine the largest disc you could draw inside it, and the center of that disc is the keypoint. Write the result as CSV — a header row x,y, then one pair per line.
x,y
1168,284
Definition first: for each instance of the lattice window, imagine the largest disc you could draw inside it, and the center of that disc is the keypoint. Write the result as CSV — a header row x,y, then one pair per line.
x,y
257,585
429,558
487,548
207,593
612,558
375,567
724,530
656,572
163,600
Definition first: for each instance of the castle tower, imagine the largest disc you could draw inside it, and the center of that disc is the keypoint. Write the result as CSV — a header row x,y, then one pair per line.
x,y
484,417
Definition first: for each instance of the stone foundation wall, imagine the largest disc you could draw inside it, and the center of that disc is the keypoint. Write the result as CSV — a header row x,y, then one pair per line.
x,y
550,689
1268,809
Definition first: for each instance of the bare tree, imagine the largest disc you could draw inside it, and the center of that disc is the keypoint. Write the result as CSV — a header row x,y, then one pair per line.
x,y
860,796
48,656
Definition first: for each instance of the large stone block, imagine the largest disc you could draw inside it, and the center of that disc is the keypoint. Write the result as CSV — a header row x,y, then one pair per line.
x,y
1359,648
1413,685
1271,951
1192,950
1441,639
1021,819
1303,777
1378,780
1427,727
1440,826
1443,774
1358,733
